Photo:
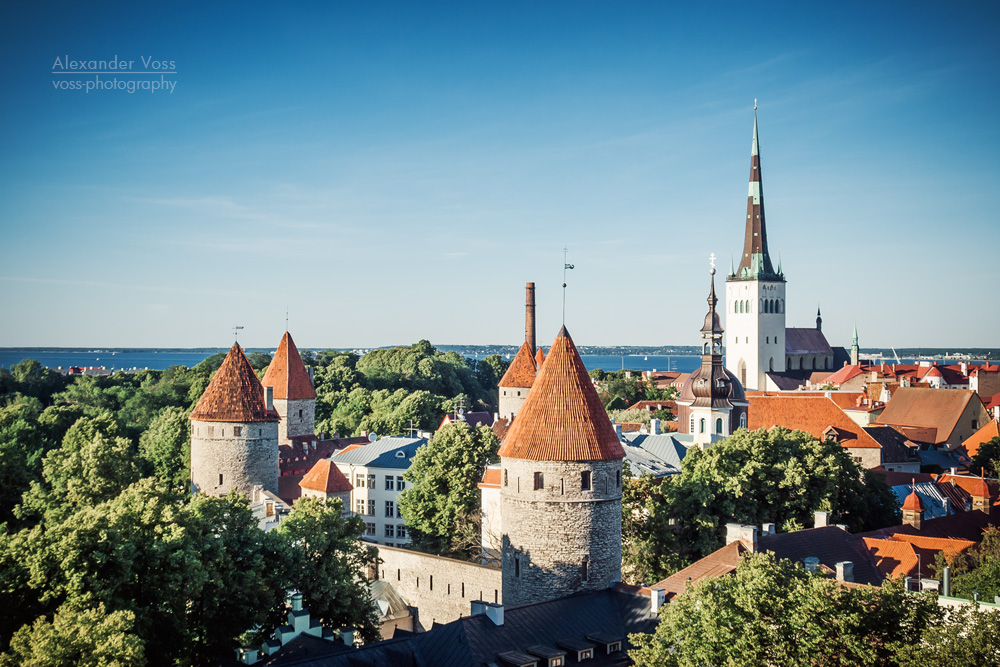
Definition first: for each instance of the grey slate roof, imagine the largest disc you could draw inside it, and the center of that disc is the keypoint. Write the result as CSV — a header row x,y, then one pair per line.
x,y
475,641
930,495
830,544
383,453
658,455
806,341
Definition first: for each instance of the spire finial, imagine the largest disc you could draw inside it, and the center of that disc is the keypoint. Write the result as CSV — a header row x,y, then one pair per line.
x,y
711,261
286,318
755,104
566,266
236,332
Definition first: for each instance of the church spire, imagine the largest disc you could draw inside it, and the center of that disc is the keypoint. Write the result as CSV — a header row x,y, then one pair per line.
x,y
819,319
756,261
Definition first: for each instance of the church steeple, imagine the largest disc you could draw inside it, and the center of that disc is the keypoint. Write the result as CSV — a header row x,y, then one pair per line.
x,y
756,260
819,320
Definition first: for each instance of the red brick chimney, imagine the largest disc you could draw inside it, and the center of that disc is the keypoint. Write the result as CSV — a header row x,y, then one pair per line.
x,y
529,316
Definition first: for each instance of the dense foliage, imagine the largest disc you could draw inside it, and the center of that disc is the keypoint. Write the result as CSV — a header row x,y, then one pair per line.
x,y
772,612
392,390
620,389
978,568
442,505
105,558
752,477
987,459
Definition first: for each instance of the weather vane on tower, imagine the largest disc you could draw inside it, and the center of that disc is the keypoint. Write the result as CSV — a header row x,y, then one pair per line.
x,y
236,332
566,265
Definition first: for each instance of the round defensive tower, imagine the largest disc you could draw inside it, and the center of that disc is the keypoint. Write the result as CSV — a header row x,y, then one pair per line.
x,y
294,396
561,487
234,432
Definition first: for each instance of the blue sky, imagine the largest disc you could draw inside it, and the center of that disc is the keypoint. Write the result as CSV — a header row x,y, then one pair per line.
x,y
389,172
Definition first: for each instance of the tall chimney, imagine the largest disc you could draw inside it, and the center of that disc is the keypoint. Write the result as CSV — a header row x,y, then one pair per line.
x,y
269,398
529,316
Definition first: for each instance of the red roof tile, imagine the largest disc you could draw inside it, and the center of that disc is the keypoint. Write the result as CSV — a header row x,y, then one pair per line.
x,y
539,358
325,477
990,430
234,394
844,374
562,419
812,414
521,372
893,558
913,502
287,374
976,487
930,408
500,427
491,479
718,563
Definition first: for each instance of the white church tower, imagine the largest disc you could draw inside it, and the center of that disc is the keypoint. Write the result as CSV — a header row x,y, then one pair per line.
x,y
755,295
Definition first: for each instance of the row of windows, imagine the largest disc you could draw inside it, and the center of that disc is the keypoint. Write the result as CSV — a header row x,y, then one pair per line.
x,y
766,305
397,531
460,588
368,481
586,481
719,425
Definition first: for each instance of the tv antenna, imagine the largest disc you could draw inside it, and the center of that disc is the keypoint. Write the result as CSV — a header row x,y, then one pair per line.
x,y
236,332
566,266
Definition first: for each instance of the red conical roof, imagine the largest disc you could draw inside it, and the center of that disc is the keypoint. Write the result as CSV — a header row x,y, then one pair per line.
x,y
326,478
562,419
539,358
521,372
980,489
234,394
287,374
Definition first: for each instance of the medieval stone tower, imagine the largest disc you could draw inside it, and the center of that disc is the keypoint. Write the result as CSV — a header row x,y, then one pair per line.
x,y
755,295
234,432
294,396
561,487
520,376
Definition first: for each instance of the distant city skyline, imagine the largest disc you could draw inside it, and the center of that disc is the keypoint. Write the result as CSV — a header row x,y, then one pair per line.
x,y
396,172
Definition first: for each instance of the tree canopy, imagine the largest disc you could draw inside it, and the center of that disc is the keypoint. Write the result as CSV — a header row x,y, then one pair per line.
x,y
751,477
441,507
987,459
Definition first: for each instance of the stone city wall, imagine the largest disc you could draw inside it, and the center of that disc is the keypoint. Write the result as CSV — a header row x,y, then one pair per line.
x,y
440,588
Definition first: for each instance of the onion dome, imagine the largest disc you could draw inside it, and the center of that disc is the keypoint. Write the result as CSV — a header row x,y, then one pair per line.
x,y
287,374
234,394
563,418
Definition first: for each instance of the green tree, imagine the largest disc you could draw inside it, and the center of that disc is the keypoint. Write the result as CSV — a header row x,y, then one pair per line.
x,y
978,568
77,637
987,459
324,559
966,637
166,447
772,612
646,556
444,497
775,476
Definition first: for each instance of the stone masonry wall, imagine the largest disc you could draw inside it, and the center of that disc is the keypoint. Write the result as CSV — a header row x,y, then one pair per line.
x,y
242,461
440,588
292,423
549,532
511,400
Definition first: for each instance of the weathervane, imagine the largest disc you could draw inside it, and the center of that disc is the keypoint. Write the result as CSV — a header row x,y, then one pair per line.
x,y
236,332
566,266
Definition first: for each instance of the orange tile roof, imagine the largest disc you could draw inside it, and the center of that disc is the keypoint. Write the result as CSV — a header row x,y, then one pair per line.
x,y
950,547
562,419
325,477
977,487
349,448
287,374
990,430
718,563
812,414
491,479
893,558
539,357
932,408
521,372
500,427
234,394
845,374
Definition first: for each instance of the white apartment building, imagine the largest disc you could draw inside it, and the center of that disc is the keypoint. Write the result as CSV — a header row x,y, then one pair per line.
x,y
376,472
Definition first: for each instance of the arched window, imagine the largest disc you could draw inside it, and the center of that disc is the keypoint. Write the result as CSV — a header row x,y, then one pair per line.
x,y
736,306
770,365
701,426
718,425
743,420
741,306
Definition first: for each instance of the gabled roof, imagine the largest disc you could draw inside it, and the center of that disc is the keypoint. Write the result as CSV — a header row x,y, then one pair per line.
x,y
521,372
990,430
716,564
846,373
562,419
500,427
929,408
234,394
812,414
287,374
806,341
829,544
895,447
325,477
